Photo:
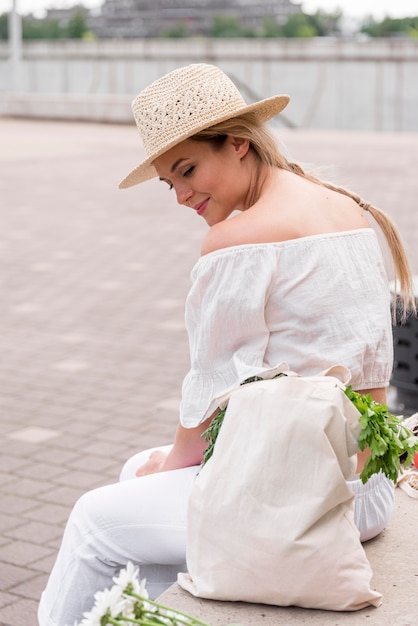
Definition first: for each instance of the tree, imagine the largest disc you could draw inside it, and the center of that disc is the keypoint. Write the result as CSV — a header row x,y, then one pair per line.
x,y
228,26
177,31
326,23
270,28
41,29
389,27
4,26
77,26
299,25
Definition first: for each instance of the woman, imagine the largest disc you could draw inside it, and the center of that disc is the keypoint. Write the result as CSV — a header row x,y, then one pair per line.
x,y
290,271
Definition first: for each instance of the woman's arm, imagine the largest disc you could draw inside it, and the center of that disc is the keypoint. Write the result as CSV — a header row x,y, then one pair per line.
x,y
187,450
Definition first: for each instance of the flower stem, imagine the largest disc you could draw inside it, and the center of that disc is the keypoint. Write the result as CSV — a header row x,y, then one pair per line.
x,y
191,621
131,620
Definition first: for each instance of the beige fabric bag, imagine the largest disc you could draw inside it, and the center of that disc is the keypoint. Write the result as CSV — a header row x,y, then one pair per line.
x,y
270,514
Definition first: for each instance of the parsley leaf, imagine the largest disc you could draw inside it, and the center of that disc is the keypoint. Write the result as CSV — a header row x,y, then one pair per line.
x,y
385,435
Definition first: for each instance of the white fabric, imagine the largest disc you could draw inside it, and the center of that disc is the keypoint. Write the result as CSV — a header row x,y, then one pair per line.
x,y
373,504
144,520
312,302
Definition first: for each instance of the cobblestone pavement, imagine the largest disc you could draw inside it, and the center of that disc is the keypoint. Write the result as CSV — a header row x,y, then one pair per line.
x,y
93,347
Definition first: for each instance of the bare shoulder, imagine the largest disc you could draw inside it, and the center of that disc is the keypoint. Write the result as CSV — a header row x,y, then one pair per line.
x,y
295,208
239,230
219,236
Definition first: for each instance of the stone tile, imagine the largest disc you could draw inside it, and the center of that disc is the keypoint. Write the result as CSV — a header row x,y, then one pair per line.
x,y
7,479
7,522
71,442
26,487
39,532
45,565
40,471
32,588
66,496
81,479
53,513
33,434
9,463
23,552
22,612
80,427
103,449
112,435
5,599
54,455
15,505
12,575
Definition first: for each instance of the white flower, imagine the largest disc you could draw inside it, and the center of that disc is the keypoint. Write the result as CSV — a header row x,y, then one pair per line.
x,y
107,601
121,601
130,576
141,589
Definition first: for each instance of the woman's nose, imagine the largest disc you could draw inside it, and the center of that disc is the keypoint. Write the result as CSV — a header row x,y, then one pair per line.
x,y
184,193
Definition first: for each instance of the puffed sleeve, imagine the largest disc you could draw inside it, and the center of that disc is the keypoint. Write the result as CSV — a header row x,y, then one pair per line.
x,y
226,325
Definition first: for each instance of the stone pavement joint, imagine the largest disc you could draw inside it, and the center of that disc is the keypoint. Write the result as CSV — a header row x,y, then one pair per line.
x,y
93,345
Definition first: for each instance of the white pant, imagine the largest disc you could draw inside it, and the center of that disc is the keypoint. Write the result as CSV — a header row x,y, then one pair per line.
x,y
143,520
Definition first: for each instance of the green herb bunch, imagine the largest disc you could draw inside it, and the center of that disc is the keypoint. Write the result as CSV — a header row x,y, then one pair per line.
x,y
211,434
385,435
381,431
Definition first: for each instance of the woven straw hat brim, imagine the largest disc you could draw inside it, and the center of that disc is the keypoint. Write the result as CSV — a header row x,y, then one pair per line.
x,y
265,110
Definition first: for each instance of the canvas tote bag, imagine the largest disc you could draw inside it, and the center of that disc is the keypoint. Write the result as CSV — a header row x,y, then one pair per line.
x,y
270,515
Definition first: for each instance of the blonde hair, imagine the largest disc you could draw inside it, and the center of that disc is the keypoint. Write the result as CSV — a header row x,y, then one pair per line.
x,y
265,147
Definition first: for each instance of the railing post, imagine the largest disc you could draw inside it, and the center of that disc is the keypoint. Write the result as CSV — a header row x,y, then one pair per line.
x,y
15,47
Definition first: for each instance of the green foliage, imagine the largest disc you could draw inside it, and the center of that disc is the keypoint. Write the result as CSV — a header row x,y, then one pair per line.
x,y
412,32
299,25
326,23
42,29
89,36
33,28
178,31
4,26
227,26
211,434
270,28
77,26
384,434
389,27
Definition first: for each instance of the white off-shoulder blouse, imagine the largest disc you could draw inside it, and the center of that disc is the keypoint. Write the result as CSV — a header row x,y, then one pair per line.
x,y
312,302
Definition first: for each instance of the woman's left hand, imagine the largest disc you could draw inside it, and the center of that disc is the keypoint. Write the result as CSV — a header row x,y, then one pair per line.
x,y
153,465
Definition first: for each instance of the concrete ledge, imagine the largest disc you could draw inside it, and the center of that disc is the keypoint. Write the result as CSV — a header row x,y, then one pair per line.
x,y
393,557
75,107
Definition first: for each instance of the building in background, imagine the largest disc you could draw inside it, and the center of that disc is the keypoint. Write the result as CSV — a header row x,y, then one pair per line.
x,y
63,16
153,18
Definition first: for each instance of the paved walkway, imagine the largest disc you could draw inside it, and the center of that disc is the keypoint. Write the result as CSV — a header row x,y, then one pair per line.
x,y
93,348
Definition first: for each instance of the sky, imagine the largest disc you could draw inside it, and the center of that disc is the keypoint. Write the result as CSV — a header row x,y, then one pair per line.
x,y
351,8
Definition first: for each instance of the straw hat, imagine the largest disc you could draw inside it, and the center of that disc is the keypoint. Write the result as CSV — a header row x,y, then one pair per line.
x,y
184,102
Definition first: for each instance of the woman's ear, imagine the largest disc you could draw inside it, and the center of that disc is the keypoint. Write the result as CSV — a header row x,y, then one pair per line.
x,y
240,145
